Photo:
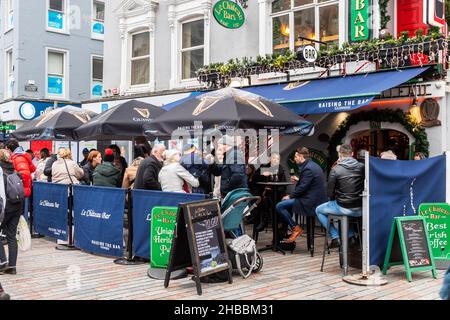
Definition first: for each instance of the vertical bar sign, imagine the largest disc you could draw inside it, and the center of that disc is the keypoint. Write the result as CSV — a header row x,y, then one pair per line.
x,y
359,20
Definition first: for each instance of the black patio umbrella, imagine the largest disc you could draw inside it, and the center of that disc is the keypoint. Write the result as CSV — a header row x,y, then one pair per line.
x,y
228,108
57,124
122,122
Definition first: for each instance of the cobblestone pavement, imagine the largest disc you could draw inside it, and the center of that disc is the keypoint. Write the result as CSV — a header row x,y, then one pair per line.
x,y
46,273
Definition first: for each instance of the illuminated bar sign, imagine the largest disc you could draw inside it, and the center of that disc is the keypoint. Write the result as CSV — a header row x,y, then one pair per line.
x,y
359,20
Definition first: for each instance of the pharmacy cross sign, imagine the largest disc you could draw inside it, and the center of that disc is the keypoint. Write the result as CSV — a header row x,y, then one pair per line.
x,y
359,20
229,14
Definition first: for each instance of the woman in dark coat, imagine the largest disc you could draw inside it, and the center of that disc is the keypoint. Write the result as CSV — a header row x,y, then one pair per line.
x,y
94,159
13,212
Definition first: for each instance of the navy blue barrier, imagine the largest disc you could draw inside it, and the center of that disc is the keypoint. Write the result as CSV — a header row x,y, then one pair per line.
x,y
98,219
143,203
50,205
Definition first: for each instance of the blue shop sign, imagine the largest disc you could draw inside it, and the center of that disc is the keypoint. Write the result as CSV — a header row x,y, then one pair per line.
x,y
55,20
30,110
55,85
97,90
98,28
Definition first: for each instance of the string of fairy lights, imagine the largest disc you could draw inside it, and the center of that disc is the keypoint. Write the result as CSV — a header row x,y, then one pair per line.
x,y
385,57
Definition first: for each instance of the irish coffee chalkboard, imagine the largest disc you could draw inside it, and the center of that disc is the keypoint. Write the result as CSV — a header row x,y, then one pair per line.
x,y
199,241
409,245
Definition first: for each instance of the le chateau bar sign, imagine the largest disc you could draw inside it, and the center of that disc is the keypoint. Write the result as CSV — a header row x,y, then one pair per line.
x,y
359,20
229,14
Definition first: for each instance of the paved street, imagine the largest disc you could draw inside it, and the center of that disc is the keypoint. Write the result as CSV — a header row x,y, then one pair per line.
x,y
46,273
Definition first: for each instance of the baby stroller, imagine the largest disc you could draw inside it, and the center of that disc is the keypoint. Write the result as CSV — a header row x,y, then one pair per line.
x,y
235,206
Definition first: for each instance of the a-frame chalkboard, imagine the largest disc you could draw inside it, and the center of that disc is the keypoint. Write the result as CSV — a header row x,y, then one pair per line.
x,y
199,241
409,245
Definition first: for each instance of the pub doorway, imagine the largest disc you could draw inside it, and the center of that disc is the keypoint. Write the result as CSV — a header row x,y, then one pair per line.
x,y
377,141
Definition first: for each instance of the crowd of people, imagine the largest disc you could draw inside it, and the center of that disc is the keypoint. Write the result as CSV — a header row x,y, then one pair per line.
x,y
215,174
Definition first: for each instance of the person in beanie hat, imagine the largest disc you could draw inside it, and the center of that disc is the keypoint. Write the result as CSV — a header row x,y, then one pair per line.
x,y
106,174
85,159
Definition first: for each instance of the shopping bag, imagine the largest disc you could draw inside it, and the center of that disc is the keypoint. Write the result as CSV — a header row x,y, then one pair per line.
x,y
23,235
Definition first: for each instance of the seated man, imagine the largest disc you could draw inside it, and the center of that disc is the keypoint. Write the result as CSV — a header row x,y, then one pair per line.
x,y
309,192
345,185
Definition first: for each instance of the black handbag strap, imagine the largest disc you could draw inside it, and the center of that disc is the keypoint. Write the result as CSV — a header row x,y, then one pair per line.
x,y
67,169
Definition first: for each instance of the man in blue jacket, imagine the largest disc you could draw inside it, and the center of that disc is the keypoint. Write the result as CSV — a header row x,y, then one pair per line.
x,y
309,192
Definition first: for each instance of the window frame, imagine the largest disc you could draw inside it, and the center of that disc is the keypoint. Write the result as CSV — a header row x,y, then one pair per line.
x,y
65,76
8,65
65,14
130,60
93,57
8,10
181,50
94,20
291,14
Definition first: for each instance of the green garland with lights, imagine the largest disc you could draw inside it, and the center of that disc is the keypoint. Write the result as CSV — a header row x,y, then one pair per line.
x,y
388,115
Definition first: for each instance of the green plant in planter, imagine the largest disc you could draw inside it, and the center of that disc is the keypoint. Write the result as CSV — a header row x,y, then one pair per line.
x,y
404,35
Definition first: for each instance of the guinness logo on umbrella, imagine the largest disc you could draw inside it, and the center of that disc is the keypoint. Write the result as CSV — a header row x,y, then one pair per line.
x,y
143,112
205,104
260,106
295,85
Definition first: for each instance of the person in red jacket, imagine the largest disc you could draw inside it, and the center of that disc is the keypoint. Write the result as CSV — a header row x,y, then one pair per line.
x,y
22,164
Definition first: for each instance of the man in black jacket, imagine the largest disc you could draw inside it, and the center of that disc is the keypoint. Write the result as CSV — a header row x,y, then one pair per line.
x,y
148,171
345,185
232,170
48,167
309,192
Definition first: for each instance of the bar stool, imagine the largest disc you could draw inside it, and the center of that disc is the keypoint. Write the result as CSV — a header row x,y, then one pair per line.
x,y
343,221
310,228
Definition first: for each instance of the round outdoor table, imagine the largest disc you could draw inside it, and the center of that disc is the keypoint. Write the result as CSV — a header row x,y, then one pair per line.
x,y
276,185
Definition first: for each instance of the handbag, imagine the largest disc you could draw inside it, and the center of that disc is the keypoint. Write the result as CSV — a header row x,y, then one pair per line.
x,y
23,235
243,254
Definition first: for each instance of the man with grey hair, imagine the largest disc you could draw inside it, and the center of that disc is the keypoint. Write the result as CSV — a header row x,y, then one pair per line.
x,y
345,185
148,170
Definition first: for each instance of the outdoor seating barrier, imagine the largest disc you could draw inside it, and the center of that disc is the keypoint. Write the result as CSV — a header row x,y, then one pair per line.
x,y
51,210
143,202
98,217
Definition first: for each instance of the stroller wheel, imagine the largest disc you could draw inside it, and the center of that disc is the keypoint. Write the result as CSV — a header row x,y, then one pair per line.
x,y
259,263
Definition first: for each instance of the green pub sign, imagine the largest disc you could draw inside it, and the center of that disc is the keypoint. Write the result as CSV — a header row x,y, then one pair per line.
x,y
359,20
437,217
229,14
161,235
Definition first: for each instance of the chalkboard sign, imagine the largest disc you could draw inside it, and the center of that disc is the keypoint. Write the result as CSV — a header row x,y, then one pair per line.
x,y
409,245
199,241
437,217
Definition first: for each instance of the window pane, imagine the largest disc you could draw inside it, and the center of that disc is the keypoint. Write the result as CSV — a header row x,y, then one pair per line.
x,y
281,33
10,63
329,23
192,61
141,44
57,5
99,8
193,34
140,71
97,69
304,26
303,2
56,63
281,5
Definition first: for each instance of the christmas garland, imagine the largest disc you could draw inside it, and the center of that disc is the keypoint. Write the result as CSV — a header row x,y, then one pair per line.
x,y
388,115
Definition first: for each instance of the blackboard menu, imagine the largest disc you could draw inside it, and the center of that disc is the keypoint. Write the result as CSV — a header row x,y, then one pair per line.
x,y
208,236
199,241
416,243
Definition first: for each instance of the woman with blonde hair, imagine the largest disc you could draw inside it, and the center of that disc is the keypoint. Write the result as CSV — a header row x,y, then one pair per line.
x,y
65,170
173,175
